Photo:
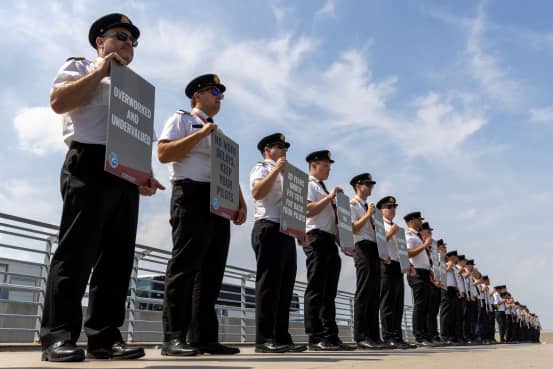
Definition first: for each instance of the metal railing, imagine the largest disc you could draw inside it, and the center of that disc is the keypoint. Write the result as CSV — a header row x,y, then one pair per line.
x,y
27,246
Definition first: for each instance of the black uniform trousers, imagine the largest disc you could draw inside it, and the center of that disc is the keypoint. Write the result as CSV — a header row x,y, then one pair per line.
x,y
433,310
97,232
508,328
467,322
491,327
420,285
195,270
460,318
482,325
275,253
391,302
448,312
323,271
500,318
367,294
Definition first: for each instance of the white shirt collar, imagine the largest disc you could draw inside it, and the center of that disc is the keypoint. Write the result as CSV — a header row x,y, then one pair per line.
x,y
360,200
200,113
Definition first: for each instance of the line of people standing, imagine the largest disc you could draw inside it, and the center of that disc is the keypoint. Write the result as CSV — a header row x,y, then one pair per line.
x,y
99,222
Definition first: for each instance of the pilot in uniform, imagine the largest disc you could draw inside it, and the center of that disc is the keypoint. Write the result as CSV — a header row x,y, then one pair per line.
x,y
100,211
275,251
200,238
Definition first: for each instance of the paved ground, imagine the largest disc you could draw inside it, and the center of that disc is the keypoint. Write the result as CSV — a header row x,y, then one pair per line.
x,y
522,356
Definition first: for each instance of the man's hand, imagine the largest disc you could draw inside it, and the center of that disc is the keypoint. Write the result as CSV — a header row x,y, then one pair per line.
x,y
281,164
208,129
302,240
427,243
104,64
386,260
371,209
349,251
241,215
150,187
411,272
334,191
393,229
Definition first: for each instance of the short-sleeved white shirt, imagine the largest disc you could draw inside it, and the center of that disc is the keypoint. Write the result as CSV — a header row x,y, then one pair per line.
x,y
421,260
393,248
460,281
196,164
357,208
496,300
86,123
268,207
326,219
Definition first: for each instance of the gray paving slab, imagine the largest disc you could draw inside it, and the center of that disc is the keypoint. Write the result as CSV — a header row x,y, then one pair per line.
x,y
523,356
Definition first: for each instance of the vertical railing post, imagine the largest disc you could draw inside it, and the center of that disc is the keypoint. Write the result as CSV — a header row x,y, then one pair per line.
x,y
132,296
352,317
44,269
243,309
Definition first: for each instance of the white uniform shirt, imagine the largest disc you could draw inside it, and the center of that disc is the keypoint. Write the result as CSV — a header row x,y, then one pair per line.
x,y
268,207
496,300
460,281
393,248
326,219
195,165
86,123
451,281
357,207
421,260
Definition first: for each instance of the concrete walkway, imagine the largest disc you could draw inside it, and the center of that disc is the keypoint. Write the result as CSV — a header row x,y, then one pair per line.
x,y
535,356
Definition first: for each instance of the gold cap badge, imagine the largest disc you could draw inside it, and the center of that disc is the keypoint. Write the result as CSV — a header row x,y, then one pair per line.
x,y
124,19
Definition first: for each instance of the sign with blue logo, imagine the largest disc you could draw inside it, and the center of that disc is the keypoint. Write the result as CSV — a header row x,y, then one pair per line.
x,y
293,202
130,126
225,184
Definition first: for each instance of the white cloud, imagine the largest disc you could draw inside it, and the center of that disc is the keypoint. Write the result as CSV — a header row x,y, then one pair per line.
x,y
328,10
29,199
541,115
468,214
487,68
39,130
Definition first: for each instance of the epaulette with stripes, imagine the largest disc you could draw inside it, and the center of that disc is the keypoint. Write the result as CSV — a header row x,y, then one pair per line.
x,y
75,58
183,112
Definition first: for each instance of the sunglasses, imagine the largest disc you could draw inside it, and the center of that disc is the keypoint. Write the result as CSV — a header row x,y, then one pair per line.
x,y
122,36
215,92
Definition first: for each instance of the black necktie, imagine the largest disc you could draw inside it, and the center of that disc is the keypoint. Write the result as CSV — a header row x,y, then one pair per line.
x,y
427,251
331,202
366,206
209,120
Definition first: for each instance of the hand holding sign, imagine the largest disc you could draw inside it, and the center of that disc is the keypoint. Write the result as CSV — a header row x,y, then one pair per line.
x,y
150,187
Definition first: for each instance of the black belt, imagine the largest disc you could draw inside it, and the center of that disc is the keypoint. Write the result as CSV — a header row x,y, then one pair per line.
x,y
188,181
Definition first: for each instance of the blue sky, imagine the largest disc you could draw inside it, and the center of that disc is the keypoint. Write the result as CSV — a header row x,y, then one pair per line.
x,y
448,104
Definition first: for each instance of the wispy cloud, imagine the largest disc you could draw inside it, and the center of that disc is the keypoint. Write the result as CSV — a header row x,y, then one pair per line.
x,y
39,130
328,10
542,115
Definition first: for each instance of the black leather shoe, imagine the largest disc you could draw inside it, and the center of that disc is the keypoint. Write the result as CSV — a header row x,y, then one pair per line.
x,y
324,346
369,345
117,351
398,345
424,343
271,348
296,347
176,347
338,342
63,351
217,348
